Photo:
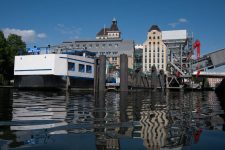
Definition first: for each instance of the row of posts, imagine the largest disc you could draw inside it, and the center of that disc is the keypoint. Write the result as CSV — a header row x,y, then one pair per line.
x,y
100,74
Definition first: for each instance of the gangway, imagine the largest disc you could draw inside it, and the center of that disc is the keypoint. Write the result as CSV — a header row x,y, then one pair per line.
x,y
182,64
212,60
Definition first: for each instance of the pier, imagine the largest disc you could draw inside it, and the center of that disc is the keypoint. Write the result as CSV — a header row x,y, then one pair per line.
x,y
136,79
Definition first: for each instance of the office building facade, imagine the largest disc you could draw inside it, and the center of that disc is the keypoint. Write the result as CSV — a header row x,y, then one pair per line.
x,y
154,50
108,42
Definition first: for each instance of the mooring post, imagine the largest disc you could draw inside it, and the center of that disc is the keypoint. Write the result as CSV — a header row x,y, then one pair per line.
x,y
96,75
154,78
67,82
102,70
162,79
123,72
67,78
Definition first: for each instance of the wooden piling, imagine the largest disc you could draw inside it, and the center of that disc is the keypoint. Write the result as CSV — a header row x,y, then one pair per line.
x,y
162,79
154,78
123,72
102,70
96,75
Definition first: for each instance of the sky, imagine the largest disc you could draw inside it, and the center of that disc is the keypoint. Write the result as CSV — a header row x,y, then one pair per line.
x,y
43,22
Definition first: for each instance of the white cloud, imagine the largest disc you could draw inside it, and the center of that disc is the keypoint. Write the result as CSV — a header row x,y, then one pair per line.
x,y
71,31
178,22
27,35
173,25
41,35
182,20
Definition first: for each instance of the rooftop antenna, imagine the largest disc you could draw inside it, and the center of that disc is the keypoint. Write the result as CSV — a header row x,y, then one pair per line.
x,y
104,29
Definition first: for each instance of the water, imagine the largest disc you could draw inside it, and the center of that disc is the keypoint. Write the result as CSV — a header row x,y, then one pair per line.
x,y
135,120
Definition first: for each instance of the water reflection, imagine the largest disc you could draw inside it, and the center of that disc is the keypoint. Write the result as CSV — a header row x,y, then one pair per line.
x,y
134,120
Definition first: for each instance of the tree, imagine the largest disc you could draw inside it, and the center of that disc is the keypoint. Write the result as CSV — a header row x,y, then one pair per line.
x,y
3,45
14,45
9,48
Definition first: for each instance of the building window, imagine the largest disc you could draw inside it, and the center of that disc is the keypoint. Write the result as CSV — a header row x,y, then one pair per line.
x,y
158,37
89,69
110,45
153,32
150,37
90,45
158,43
149,43
97,45
153,37
103,45
162,61
81,68
77,45
116,45
71,66
154,43
145,49
114,58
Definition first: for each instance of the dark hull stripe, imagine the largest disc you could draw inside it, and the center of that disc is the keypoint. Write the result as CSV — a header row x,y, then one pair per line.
x,y
51,81
34,70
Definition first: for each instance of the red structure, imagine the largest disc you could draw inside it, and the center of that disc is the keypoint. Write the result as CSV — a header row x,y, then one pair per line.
x,y
197,45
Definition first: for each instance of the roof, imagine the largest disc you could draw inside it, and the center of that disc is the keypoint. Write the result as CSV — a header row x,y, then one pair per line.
x,y
103,31
114,26
154,27
174,35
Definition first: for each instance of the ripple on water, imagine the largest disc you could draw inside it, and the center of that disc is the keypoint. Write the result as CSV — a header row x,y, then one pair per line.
x,y
43,119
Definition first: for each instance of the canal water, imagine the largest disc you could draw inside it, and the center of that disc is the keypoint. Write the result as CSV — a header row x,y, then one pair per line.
x,y
128,121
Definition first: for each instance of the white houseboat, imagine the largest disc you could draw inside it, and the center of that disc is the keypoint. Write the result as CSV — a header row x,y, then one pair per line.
x,y
54,71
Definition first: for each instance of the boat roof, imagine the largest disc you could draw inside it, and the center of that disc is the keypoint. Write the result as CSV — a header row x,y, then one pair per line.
x,y
79,52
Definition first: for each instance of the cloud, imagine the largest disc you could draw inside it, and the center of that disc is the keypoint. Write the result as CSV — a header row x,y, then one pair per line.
x,y
173,25
178,22
182,20
41,35
70,31
27,35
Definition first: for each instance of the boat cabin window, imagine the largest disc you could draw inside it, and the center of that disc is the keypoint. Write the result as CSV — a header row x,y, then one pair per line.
x,y
89,69
81,68
71,66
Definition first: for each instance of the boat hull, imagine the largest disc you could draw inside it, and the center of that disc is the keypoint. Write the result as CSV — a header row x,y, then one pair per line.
x,y
51,82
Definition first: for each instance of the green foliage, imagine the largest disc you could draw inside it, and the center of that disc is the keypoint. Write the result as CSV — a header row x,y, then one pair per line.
x,y
9,48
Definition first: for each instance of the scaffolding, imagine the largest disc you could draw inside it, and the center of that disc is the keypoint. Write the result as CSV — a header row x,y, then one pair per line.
x,y
179,58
